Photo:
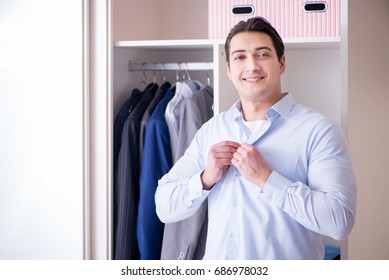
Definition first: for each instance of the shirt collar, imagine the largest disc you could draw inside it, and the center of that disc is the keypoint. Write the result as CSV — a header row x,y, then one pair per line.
x,y
236,110
282,107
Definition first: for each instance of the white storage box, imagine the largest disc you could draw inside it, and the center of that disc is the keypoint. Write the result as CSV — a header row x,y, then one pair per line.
x,y
291,18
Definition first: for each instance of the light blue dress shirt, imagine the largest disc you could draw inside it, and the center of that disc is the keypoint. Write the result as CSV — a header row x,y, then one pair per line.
x,y
311,191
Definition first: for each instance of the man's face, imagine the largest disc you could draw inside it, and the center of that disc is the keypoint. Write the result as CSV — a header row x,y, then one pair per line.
x,y
254,67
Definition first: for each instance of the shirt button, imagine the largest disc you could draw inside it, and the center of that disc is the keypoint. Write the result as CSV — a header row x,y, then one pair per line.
x,y
182,256
235,203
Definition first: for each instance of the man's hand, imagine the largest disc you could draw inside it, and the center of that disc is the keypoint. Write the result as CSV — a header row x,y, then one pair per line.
x,y
251,164
219,159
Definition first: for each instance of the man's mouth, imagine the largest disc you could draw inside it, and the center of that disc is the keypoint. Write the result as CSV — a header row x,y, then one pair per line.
x,y
252,80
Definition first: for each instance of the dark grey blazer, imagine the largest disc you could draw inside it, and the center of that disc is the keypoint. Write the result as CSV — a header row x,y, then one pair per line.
x,y
126,189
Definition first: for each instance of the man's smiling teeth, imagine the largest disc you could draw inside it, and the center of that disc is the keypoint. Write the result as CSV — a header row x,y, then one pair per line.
x,y
252,79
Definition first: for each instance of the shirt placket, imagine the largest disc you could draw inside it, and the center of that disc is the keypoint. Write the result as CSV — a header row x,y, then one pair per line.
x,y
235,204
233,235
234,221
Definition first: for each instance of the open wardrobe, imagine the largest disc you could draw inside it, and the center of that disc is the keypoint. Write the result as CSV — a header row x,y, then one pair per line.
x,y
152,130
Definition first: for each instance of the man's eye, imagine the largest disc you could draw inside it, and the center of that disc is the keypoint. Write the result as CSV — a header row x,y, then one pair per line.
x,y
238,58
262,55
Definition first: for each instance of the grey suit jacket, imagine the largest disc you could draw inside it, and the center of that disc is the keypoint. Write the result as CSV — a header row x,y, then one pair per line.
x,y
186,239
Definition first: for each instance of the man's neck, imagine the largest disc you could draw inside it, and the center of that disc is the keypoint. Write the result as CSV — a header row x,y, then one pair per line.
x,y
256,110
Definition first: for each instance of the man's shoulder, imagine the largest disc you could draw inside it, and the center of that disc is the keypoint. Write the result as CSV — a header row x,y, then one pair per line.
x,y
310,119
302,111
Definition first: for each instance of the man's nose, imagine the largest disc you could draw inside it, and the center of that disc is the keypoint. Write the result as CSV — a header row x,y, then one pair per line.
x,y
252,65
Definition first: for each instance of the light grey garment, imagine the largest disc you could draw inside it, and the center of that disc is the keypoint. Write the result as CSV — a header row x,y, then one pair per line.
x,y
194,112
186,239
172,114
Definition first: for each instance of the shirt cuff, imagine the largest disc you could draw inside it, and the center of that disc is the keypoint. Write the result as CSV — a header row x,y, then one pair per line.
x,y
276,188
195,188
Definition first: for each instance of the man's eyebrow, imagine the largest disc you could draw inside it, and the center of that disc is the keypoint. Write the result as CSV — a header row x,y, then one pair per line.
x,y
263,48
257,49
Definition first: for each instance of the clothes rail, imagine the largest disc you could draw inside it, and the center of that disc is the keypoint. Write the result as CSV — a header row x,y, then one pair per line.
x,y
170,66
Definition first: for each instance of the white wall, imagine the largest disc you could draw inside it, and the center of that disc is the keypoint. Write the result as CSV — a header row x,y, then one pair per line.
x,y
159,19
41,122
317,83
368,71
135,20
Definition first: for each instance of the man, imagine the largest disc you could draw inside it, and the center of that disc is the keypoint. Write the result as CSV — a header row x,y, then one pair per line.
x,y
277,175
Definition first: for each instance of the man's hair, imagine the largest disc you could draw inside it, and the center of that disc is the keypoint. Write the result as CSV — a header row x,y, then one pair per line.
x,y
255,24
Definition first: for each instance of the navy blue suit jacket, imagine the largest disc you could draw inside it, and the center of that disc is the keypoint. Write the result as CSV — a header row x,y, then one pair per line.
x,y
156,162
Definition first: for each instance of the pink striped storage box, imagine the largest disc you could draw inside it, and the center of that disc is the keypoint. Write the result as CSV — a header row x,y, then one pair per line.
x,y
287,16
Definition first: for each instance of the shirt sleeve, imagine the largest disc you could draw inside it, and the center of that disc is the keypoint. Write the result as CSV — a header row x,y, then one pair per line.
x,y
326,204
180,192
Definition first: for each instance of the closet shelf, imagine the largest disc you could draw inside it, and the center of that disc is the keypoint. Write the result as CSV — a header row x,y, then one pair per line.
x,y
290,43
312,43
169,44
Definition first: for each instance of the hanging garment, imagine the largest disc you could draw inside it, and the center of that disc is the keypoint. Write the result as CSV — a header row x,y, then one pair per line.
x,y
127,188
183,90
156,162
120,118
119,121
146,116
195,110
186,239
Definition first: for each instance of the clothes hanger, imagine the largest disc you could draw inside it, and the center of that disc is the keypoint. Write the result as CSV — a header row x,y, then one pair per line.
x,y
208,78
155,76
144,81
178,72
187,72
163,72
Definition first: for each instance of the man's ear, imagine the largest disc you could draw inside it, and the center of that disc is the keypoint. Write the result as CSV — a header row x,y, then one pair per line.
x,y
282,64
228,70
